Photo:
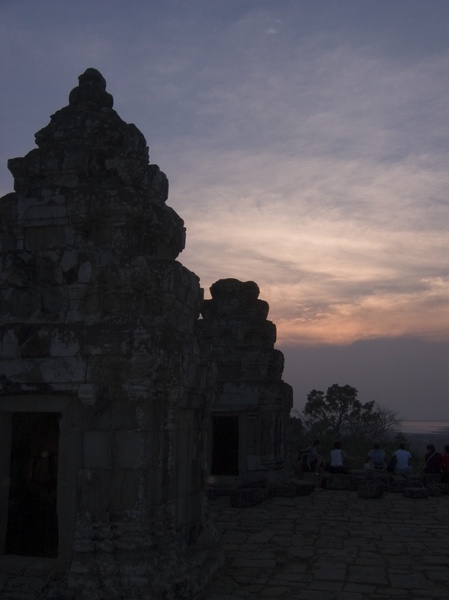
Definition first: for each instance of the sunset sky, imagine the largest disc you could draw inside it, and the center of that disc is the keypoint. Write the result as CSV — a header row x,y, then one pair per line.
x,y
306,145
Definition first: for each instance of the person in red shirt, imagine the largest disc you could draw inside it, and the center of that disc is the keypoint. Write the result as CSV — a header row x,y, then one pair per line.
x,y
432,460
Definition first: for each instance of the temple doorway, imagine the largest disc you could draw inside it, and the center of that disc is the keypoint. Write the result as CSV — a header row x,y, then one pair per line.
x,y
225,445
32,528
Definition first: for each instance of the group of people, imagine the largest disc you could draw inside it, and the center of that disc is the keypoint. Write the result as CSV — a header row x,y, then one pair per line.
x,y
399,463
311,460
435,463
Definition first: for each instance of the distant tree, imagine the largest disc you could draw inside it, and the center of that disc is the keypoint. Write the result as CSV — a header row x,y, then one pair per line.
x,y
339,414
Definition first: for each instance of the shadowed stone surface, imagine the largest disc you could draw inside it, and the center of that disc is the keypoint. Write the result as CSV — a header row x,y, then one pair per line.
x,y
333,545
98,327
252,402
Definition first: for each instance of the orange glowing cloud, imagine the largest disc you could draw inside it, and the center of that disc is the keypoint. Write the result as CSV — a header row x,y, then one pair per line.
x,y
423,314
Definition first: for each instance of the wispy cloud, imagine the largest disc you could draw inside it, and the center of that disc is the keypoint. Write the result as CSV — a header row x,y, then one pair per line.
x,y
328,208
423,312
301,154
326,183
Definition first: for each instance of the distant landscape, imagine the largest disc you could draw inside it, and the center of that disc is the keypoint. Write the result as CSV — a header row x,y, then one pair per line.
x,y
421,433
425,427
419,441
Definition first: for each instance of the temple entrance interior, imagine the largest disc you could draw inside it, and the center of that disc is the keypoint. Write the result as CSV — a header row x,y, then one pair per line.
x,y
32,528
225,445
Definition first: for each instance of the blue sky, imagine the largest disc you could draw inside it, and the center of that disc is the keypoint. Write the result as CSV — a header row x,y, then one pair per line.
x,y
306,145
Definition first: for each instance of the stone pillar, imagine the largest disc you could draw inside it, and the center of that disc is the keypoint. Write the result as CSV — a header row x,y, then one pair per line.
x,y
98,324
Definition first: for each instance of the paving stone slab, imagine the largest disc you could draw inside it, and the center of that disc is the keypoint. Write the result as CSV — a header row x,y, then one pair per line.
x,y
411,581
245,497
411,541
364,574
371,490
339,482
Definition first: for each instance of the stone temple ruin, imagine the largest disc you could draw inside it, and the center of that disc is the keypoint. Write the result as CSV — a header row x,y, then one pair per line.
x,y
252,402
108,379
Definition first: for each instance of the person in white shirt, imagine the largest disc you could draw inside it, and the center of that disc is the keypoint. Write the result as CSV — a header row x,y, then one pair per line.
x,y
403,460
338,459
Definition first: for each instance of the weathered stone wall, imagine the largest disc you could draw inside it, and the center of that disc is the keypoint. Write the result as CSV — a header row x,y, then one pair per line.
x,y
250,384
97,312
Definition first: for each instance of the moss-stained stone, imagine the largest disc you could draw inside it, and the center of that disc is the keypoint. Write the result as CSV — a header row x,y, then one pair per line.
x,y
252,402
97,312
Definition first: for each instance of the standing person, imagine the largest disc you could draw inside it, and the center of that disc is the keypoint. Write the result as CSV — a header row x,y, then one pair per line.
x,y
445,465
432,460
338,460
403,460
376,458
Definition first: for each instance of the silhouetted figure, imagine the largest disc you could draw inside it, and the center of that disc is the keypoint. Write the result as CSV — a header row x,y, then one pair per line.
x,y
338,460
310,459
376,458
432,460
403,459
445,465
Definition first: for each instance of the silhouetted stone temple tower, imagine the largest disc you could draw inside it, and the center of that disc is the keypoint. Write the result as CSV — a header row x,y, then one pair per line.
x,y
104,389
252,402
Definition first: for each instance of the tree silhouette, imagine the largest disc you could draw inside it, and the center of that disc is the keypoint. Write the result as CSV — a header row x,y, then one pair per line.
x,y
339,414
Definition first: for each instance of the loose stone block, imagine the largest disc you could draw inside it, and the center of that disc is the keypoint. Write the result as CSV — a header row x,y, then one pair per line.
x,y
360,476
257,483
373,475
416,492
305,488
286,489
396,484
245,497
339,482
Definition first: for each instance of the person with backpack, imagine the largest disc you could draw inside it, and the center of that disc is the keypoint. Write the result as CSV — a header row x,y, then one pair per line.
x,y
376,459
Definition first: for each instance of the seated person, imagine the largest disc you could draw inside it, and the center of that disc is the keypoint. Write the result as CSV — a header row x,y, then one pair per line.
x,y
338,460
376,459
310,459
403,459
316,461
432,460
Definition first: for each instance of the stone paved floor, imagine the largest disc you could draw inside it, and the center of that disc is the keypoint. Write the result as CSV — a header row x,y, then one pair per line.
x,y
333,545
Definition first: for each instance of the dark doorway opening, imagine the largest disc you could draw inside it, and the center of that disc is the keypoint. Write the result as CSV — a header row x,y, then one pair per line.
x,y
32,510
225,445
